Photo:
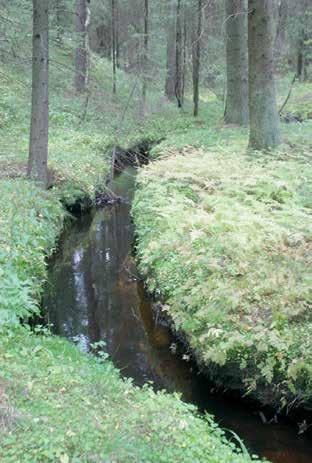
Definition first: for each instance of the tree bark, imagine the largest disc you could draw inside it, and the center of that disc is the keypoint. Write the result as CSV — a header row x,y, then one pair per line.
x,y
236,20
179,58
280,38
305,41
301,58
117,37
184,55
171,52
196,47
82,50
39,129
145,53
114,48
264,118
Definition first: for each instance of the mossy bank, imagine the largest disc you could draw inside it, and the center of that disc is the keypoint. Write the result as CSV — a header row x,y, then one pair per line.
x,y
224,239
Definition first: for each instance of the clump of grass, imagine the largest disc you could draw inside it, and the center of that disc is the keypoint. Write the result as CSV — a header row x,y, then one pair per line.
x,y
225,238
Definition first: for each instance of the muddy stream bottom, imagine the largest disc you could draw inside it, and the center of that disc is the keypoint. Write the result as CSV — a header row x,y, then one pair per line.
x,y
93,294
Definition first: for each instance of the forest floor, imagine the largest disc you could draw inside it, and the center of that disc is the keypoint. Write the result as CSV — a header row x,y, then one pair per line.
x,y
56,403
224,240
51,394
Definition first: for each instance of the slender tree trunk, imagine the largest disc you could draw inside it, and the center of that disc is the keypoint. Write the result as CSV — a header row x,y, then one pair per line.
x,y
282,16
300,65
236,20
117,36
82,50
179,63
184,56
145,53
196,48
301,59
171,52
304,45
264,118
39,129
114,61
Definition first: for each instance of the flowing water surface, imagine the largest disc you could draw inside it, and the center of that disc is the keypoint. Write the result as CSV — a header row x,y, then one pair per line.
x,y
94,294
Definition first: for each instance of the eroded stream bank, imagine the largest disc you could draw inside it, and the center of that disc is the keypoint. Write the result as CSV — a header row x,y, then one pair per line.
x,y
94,295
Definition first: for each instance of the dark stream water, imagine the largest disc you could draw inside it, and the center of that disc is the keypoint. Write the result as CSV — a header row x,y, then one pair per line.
x,y
93,294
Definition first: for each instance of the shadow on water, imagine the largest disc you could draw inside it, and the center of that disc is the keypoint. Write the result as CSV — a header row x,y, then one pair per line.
x,y
93,294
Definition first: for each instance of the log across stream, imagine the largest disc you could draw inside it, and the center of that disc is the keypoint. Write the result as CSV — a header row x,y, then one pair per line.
x,y
94,294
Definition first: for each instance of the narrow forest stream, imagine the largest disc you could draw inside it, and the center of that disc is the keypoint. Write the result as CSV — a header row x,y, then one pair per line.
x,y
93,294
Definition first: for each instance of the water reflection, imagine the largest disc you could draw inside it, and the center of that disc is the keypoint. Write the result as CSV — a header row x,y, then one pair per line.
x,y
93,295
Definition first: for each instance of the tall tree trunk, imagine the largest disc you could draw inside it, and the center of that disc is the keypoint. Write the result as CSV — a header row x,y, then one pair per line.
x,y
82,50
184,54
305,42
281,27
171,52
264,118
301,58
114,60
236,20
179,58
117,36
196,46
39,129
145,53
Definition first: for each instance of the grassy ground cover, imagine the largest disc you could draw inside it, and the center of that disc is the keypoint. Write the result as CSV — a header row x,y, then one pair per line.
x,y
57,404
78,163
31,219
224,238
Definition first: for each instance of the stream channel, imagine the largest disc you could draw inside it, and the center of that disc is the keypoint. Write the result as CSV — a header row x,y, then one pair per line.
x,y
93,294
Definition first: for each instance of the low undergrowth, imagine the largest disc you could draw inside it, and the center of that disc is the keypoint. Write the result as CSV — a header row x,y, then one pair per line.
x,y
64,406
30,221
80,138
56,403
224,238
